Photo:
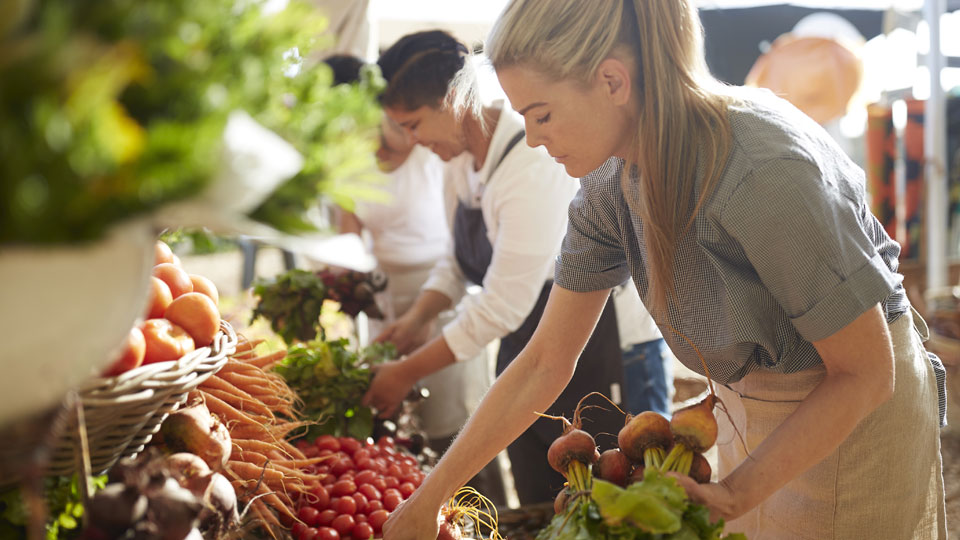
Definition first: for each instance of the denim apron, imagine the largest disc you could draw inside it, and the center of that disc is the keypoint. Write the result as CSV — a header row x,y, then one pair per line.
x,y
599,368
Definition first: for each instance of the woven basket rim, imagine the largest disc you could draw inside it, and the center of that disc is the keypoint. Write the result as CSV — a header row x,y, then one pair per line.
x,y
136,402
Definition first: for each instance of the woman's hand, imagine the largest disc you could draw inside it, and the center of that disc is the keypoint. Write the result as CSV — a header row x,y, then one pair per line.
x,y
391,383
407,333
717,497
414,519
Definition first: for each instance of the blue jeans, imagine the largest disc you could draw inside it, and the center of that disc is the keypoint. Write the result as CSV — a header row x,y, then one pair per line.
x,y
648,375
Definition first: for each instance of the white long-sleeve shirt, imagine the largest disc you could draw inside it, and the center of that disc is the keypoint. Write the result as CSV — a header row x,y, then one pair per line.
x,y
524,204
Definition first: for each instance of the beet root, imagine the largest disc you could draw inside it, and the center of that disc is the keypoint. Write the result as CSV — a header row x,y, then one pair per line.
x,y
613,466
644,437
700,469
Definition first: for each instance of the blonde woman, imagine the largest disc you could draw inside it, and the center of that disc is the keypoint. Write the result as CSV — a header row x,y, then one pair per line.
x,y
744,227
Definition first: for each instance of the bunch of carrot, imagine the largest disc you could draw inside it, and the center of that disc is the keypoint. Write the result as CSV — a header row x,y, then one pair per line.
x,y
259,409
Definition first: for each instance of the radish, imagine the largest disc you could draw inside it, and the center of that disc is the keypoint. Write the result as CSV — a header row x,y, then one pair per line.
x,y
645,437
467,509
613,466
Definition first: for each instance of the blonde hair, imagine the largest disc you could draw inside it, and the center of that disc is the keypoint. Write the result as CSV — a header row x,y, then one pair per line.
x,y
682,108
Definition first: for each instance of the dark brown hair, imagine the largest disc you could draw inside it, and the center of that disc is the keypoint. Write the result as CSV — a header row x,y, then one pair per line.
x,y
419,67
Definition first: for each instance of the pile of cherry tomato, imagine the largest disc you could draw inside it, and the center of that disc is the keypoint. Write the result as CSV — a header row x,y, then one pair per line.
x,y
360,485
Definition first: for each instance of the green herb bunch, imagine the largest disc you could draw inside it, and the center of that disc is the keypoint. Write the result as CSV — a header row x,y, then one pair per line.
x,y
64,508
109,109
656,508
292,303
331,379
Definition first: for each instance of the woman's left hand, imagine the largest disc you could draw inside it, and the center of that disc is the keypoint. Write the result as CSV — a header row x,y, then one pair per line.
x,y
717,497
389,386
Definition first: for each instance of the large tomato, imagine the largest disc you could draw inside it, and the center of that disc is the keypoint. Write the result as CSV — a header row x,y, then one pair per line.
x,y
162,253
203,285
165,341
160,298
175,277
197,314
131,356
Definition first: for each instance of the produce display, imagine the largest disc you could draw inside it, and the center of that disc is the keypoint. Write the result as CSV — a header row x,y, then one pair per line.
x,y
330,379
293,300
361,482
625,493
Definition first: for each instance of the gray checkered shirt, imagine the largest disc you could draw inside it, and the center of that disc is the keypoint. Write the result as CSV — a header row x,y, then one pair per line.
x,y
784,252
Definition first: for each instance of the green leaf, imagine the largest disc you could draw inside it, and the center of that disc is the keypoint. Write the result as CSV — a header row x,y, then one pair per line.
x,y
642,504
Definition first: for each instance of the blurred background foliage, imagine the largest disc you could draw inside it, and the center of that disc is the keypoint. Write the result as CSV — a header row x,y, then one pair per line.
x,y
111,108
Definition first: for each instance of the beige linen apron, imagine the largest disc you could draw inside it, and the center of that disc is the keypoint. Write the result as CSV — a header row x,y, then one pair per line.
x,y
884,482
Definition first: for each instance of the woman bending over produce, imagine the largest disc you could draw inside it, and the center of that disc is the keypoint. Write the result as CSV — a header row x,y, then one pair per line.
x,y
745,228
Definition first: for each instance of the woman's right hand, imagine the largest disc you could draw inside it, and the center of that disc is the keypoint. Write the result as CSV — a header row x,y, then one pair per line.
x,y
414,519
407,333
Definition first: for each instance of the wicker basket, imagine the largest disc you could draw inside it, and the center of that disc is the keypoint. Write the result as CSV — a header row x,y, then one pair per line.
x,y
123,413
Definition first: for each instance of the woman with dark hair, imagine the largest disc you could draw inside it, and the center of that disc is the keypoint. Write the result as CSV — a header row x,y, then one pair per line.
x,y
508,215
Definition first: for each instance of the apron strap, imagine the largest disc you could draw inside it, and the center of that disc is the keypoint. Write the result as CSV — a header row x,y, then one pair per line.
x,y
513,142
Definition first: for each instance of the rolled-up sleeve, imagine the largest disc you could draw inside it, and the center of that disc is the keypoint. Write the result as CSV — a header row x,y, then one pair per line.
x,y
592,256
806,239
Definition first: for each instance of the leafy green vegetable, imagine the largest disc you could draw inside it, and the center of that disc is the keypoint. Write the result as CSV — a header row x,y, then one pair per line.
x,y
64,507
331,379
110,109
292,303
655,509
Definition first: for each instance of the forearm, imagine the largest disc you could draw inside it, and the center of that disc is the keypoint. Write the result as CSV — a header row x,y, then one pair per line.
x,y
428,359
530,384
429,304
504,414
859,377
822,421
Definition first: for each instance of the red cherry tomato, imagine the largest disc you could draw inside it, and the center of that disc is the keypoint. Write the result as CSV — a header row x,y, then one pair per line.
x,y
342,465
327,442
321,497
361,502
308,515
344,487
326,517
377,519
343,523
394,471
380,483
350,445
346,506
392,482
298,529
360,518
385,441
362,531
373,506
360,454
370,492
392,499
327,479
327,533
308,533
365,464
365,477
407,489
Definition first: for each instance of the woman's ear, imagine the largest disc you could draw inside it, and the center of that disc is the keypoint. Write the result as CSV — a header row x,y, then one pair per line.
x,y
614,79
